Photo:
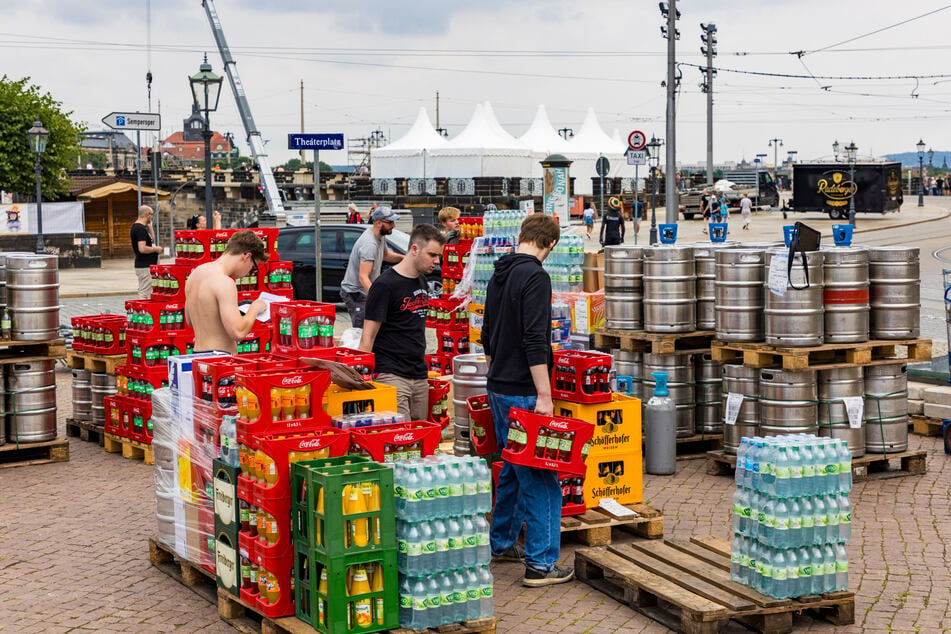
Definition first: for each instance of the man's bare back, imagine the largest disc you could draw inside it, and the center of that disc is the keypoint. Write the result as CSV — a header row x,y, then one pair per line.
x,y
211,308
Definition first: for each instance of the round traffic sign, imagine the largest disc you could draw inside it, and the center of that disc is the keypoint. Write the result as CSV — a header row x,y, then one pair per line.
x,y
602,167
636,140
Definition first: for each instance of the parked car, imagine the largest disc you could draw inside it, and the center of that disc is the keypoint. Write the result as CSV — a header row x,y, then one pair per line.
x,y
296,245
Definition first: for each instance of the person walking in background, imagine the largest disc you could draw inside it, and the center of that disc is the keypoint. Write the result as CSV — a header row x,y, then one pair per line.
x,y
353,215
589,214
612,225
724,208
746,210
366,260
394,326
198,221
449,219
145,250
516,335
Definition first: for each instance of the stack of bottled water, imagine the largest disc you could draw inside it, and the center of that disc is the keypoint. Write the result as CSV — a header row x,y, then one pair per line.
x,y
443,537
564,265
791,515
503,222
482,258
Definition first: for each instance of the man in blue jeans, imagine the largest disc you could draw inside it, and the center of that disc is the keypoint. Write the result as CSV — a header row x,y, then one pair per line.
x,y
516,335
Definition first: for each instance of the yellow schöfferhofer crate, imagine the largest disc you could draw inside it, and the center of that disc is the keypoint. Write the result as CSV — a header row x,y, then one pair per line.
x,y
617,424
618,476
338,401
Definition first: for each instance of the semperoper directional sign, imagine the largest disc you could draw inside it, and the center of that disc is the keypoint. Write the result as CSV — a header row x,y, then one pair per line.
x,y
636,140
133,121
332,141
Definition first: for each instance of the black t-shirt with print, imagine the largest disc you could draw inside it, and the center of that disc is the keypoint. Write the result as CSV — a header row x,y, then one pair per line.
x,y
399,303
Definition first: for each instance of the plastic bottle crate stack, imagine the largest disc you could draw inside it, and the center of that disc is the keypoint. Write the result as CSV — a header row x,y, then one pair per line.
x,y
99,334
443,540
345,545
792,517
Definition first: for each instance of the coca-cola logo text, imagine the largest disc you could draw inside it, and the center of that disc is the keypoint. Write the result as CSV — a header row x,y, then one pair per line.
x,y
404,437
292,380
310,443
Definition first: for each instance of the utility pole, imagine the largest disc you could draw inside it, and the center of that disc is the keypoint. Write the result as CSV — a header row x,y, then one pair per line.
x,y
708,37
302,159
670,12
439,130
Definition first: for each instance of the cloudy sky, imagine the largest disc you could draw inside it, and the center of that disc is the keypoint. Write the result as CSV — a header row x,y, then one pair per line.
x,y
370,65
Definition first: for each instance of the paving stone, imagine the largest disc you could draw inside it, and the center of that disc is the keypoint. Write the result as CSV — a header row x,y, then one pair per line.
x,y
938,394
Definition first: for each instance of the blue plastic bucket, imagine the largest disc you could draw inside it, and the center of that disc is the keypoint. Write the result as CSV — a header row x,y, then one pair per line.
x,y
789,232
668,233
717,231
842,235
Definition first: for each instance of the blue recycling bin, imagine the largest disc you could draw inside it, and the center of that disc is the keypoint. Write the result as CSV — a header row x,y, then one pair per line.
x,y
668,233
789,232
717,231
842,235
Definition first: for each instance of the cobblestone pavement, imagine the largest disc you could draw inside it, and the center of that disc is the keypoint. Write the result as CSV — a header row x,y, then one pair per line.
x,y
75,557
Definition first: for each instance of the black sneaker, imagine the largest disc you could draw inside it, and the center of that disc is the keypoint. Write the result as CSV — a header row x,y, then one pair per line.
x,y
538,578
514,553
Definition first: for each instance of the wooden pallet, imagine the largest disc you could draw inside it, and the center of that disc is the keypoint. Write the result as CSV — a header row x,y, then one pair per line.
x,y
17,351
13,455
85,430
94,362
925,426
132,449
824,357
593,527
871,466
654,342
245,618
686,586
697,446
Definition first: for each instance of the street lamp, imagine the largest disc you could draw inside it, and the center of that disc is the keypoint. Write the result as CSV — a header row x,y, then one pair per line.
x,y
851,150
930,158
775,144
206,88
38,136
653,157
566,133
921,172
835,149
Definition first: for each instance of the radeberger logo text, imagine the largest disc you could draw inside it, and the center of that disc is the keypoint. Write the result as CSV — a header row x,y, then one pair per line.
x,y
836,190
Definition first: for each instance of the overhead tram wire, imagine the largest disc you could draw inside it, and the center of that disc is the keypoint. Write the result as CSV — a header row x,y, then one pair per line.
x,y
801,54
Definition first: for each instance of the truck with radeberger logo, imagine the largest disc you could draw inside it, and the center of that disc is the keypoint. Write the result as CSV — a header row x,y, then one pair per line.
x,y
828,188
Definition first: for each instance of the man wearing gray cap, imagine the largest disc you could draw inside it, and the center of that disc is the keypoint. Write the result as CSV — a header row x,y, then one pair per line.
x,y
366,258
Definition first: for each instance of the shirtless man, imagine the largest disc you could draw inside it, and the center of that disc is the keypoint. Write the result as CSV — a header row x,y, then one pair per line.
x,y
211,297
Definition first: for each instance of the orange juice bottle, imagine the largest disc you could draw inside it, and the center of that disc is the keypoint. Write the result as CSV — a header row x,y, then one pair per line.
x,y
253,405
318,521
270,470
288,404
273,588
371,496
243,459
322,589
377,586
362,608
262,525
260,461
358,527
273,533
275,403
302,401
240,395
262,582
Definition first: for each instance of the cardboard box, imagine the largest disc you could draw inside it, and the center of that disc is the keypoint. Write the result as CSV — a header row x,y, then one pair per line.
x,y
618,476
593,271
183,390
617,424
587,311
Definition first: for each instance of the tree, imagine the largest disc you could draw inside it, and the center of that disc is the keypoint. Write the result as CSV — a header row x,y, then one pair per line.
x,y
22,103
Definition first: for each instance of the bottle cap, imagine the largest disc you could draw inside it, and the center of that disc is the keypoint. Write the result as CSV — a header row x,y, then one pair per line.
x,y
660,387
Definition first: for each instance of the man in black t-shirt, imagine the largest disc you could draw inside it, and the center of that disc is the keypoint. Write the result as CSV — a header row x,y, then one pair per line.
x,y
145,249
394,326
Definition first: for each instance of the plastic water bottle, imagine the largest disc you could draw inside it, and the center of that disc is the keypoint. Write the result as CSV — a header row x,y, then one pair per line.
x,y
473,595
420,618
427,540
767,475
457,542
792,573
483,554
442,544
736,557
795,521
410,555
779,574
821,480
845,518
832,518
818,569
739,521
434,598
782,473
822,519
742,448
487,603
808,469
470,487
756,456
413,495
781,524
808,520
829,568
428,485
845,467
459,595
456,488
447,598
406,604
768,523
841,568
796,470
229,441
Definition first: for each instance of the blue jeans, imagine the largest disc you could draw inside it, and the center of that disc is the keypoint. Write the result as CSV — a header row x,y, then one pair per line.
x,y
524,494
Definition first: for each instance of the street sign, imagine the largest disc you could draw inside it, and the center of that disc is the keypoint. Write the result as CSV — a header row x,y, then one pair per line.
x,y
332,141
636,140
636,157
133,121
602,166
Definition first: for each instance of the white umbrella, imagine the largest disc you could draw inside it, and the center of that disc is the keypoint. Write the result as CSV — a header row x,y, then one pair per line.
x,y
723,185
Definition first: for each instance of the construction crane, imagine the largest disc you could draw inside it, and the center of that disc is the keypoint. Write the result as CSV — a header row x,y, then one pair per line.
x,y
271,192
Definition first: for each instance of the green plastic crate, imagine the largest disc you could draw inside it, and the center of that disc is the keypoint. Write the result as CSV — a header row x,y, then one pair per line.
x,y
324,533
337,605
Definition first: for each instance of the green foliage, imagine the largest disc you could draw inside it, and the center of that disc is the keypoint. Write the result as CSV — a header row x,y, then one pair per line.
x,y
22,103
292,165
96,159
324,167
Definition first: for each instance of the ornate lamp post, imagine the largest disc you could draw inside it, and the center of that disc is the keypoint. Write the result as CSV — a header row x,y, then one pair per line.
x,y
653,157
38,136
835,149
921,172
851,150
206,88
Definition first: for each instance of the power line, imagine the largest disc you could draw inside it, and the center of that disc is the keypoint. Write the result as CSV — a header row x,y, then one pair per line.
x,y
800,54
829,77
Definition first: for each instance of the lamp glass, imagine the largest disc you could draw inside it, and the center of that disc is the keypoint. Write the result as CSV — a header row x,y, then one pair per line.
x,y
921,146
38,136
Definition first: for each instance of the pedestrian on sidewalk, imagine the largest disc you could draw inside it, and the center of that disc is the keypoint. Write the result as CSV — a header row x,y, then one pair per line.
x,y
612,225
516,335
746,210
145,249
589,214
366,260
394,325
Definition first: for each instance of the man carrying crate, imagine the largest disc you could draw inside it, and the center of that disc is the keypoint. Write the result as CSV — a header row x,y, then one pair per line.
x,y
516,335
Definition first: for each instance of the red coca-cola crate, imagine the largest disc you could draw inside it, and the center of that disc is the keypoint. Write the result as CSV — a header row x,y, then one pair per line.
x,y
454,258
168,282
140,412
269,236
439,364
197,246
148,351
397,441
555,443
439,402
447,313
184,342
572,486
301,326
100,334
79,333
214,379
470,227
257,341
272,537
113,408
452,341
276,275
281,401
362,362
140,382
274,597
581,376
481,425
145,317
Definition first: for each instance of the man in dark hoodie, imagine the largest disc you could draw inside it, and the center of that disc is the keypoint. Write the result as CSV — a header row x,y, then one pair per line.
x,y
516,335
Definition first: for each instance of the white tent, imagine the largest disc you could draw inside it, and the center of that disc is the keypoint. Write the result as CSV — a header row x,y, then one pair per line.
x,y
542,140
407,157
483,148
586,146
